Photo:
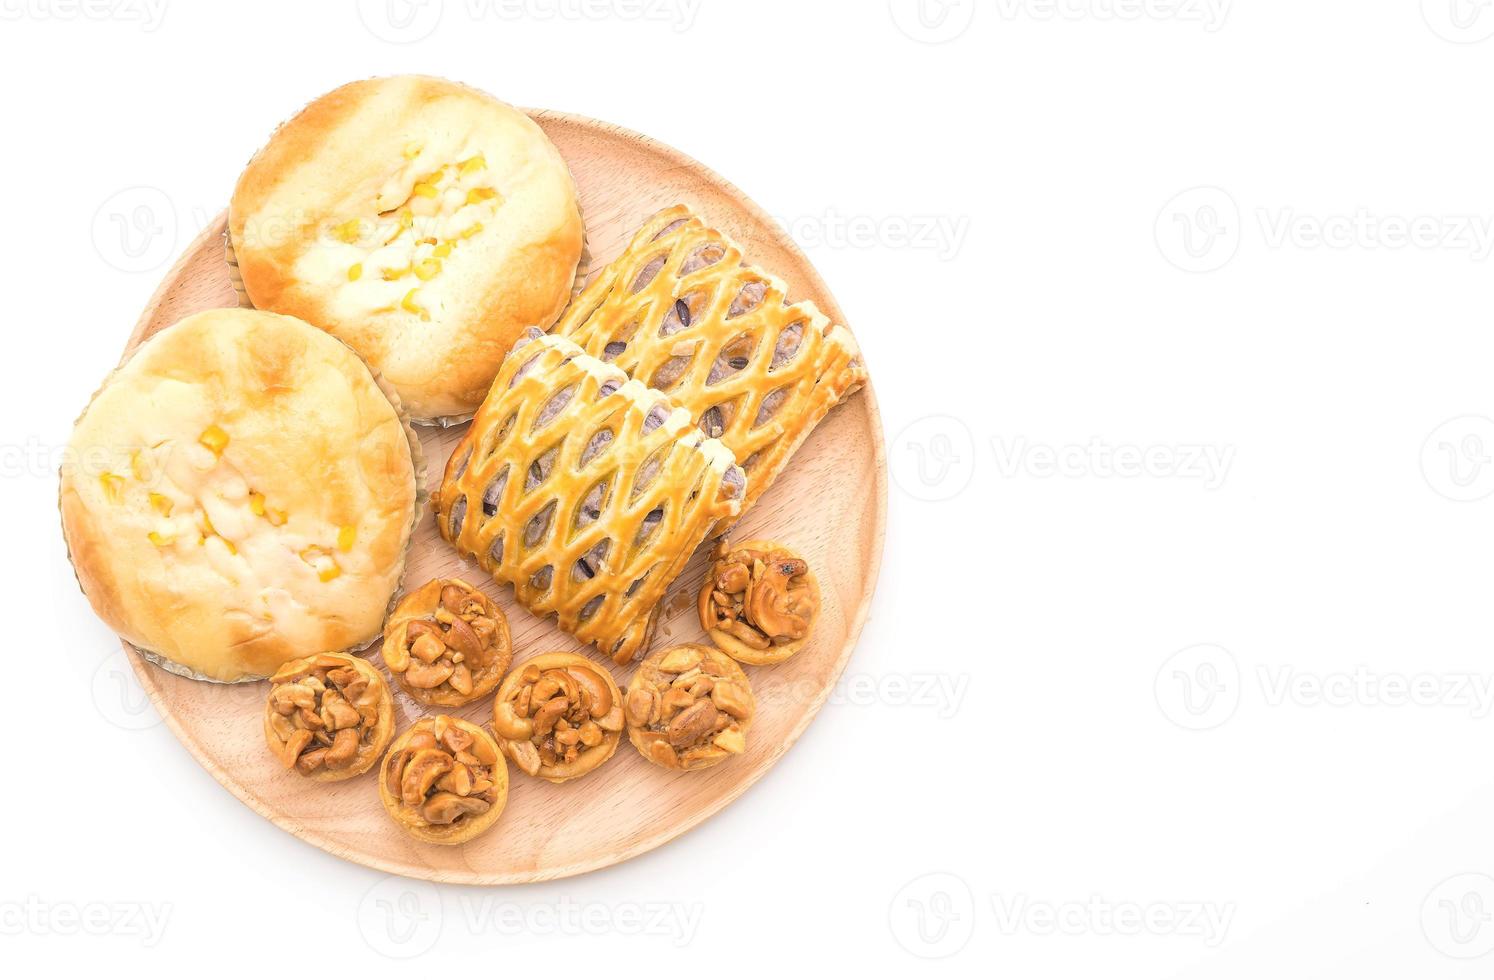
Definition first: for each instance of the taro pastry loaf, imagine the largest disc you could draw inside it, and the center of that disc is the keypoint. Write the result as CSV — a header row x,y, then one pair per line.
x,y
683,312
585,491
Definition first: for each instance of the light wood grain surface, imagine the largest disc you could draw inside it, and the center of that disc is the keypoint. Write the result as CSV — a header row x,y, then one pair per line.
x,y
830,504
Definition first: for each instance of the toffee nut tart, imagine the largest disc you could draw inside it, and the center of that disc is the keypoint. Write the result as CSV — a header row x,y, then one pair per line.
x,y
240,493
328,717
423,222
447,644
558,716
689,707
444,781
759,601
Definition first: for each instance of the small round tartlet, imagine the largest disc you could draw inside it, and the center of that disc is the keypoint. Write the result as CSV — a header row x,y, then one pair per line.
x,y
444,781
423,222
240,493
759,601
447,644
328,717
689,707
558,716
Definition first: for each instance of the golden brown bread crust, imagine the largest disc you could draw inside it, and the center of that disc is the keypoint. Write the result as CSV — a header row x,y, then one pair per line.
x,y
359,155
250,564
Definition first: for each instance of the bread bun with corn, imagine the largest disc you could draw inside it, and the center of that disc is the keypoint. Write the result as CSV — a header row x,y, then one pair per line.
x,y
240,493
423,222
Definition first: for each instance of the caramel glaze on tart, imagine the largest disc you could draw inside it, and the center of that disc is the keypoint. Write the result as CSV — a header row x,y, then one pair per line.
x,y
444,781
447,643
689,707
558,716
759,601
328,717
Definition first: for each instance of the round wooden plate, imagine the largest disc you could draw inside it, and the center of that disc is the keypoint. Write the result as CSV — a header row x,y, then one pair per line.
x,y
830,503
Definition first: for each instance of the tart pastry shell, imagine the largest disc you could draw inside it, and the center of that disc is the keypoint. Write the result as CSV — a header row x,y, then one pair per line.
x,y
383,730
736,648
421,605
409,819
588,758
658,673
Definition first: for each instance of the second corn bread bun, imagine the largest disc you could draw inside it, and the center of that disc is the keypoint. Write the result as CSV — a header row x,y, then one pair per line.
x,y
423,222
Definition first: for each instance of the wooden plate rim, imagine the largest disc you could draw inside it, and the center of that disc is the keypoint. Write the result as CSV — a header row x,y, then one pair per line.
x,y
146,672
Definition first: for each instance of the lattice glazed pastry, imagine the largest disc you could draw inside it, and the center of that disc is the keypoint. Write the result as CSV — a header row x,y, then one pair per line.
x,y
584,490
682,312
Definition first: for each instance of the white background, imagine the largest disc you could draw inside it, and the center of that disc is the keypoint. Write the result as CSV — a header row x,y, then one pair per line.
x,y
1180,660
